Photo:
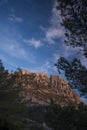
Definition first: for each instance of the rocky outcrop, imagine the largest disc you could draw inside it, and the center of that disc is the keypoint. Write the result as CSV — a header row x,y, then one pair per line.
x,y
38,88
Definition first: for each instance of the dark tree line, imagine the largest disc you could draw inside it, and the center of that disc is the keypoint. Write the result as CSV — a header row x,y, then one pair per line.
x,y
10,106
67,118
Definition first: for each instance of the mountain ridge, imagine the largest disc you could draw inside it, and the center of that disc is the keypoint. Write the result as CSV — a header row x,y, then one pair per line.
x,y
38,88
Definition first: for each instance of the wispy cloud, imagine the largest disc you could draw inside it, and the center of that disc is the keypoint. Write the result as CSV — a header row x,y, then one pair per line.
x,y
14,50
45,67
42,28
15,19
48,67
66,51
6,62
56,56
56,18
34,42
54,31
12,46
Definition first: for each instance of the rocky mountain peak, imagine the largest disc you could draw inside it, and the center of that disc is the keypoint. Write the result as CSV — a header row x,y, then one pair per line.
x,y
38,88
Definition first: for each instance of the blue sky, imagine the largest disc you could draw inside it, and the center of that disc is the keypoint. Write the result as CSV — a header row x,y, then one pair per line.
x,y
30,35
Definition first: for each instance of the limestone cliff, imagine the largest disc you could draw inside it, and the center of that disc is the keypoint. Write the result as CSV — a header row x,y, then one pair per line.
x,y
38,88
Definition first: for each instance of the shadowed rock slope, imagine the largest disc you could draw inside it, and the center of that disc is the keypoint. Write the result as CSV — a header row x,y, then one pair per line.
x,y
38,88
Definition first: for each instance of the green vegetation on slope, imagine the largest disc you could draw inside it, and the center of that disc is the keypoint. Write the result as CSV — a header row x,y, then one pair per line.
x,y
12,112
67,118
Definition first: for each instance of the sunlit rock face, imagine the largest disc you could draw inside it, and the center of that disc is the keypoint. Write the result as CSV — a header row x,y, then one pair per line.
x,y
38,88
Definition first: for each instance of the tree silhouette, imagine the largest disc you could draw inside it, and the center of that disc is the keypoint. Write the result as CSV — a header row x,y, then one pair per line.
x,y
75,73
74,19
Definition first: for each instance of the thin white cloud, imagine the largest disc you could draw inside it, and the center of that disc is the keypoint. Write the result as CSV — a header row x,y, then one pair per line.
x,y
56,56
48,67
14,50
45,67
56,18
11,45
15,19
6,61
69,51
66,51
42,28
53,33
34,42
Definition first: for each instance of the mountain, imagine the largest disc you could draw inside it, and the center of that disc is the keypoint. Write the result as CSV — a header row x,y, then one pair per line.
x,y
25,98
38,88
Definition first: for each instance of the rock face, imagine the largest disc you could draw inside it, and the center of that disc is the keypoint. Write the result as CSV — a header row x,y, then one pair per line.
x,y
37,88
